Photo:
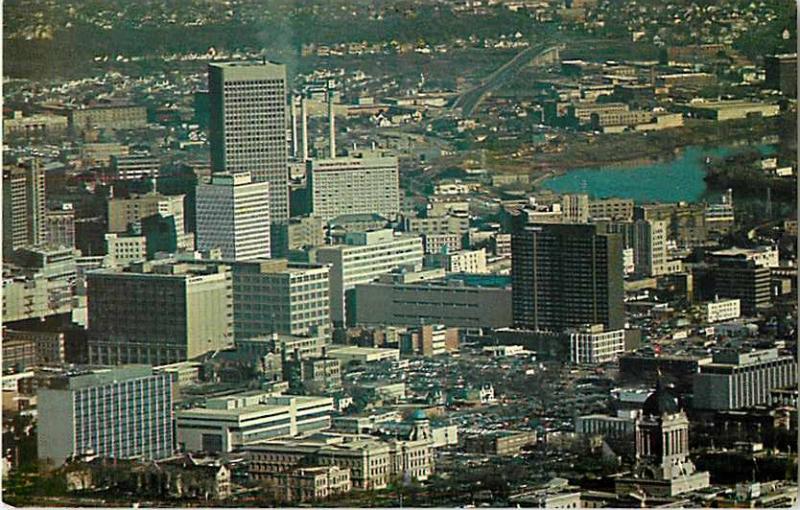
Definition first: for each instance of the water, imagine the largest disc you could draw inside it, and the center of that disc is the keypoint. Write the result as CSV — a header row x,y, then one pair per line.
x,y
675,180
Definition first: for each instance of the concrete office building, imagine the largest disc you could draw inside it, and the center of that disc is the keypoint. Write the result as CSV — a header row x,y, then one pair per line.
x,y
781,73
736,380
24,206
566,275
242,419
233,215
464,261
603,425
299,233
121,250
247,130
360,184
122,212
274,296
737,278
362,259
474,303
60,226
594,345
124,412
615,209
648,239
112,116
135,167
723,310
38,282
575,208
173,311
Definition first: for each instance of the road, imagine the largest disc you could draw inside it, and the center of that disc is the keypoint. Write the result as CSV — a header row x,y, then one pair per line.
x,y
470,99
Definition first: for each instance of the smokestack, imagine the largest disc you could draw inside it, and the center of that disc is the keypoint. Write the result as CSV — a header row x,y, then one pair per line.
x,y
331,121
304,125
293,110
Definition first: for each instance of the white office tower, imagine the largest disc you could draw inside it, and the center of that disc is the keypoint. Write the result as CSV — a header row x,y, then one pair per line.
x,y
362,183
247,129
233,214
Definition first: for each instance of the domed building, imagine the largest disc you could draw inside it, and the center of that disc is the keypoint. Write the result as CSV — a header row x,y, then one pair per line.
x,y
663,467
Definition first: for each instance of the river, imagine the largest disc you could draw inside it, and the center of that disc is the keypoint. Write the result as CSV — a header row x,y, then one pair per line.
x,y
678,179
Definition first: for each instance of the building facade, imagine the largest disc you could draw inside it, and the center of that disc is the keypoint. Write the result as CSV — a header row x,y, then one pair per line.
x,y
122,413
247,130
593,345
173,312
233,215
566,275
359,184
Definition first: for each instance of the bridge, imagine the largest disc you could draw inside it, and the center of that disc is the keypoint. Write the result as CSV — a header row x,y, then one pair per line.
x,y
540,54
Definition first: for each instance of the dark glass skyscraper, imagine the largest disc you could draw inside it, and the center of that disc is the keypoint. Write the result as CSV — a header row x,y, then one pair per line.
x,y
566,275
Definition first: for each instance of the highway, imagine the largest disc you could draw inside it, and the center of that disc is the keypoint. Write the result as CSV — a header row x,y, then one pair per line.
x,y
470,99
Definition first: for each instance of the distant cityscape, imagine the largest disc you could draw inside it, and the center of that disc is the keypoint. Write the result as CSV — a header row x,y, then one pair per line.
x,y
424,253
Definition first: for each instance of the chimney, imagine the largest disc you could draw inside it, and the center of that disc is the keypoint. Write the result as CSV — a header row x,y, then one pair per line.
x,y
304,125
293,113
331,121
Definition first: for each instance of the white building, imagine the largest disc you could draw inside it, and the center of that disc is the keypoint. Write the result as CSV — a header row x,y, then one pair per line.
x,y
463,261
723,310
362,259
121,250
233,215
123,413
594,345
360,184
237,420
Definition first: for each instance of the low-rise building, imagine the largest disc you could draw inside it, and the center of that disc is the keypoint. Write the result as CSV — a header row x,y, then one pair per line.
x,y
723,310
594,345
238,420
503,443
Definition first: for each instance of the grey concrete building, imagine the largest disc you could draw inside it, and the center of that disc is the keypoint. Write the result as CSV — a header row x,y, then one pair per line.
x,y
463,303
124,412
159,312
248,126
360,184
274,296
362,259
742,379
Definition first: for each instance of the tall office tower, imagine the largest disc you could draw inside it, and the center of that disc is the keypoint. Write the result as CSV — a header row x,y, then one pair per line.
x,y
648,240
248,126
781,73
122,413
360,184
575,208
362,259
122,212
24,206
233,215
274,296
566,275
159,312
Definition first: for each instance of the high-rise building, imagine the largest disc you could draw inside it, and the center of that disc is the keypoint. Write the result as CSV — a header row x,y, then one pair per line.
x,y
566,275
362,259
648,240
233,214
159,312
781,73
274,296
360,184
121,413
24,206
575,208
248,126
743,279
